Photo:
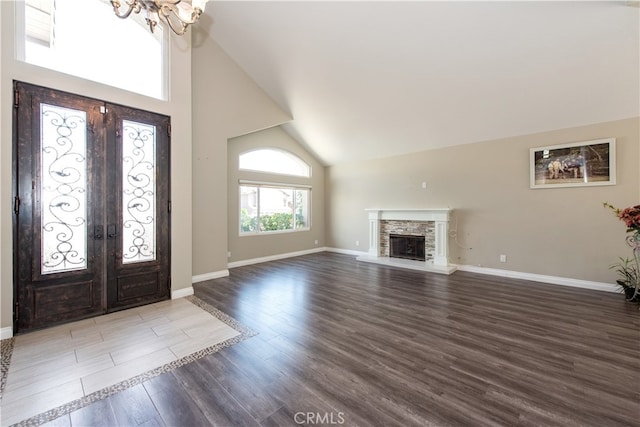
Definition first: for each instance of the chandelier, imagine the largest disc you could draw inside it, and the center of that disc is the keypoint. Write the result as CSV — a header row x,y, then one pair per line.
x,y
177,14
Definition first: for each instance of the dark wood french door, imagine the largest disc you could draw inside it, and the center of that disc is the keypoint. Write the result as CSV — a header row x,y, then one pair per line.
x,y
92,208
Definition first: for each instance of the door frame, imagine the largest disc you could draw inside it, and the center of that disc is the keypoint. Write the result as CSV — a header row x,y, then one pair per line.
x,y
103,195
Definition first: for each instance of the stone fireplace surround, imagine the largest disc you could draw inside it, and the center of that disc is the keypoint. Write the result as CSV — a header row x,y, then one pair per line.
x,y
424,229
432,223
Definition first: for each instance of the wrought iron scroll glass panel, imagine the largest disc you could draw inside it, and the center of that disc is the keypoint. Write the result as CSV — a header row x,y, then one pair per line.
x,y
138,192
63,189
91,207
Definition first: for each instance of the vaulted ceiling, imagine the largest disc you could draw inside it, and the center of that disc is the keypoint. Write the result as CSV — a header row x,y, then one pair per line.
x,y
369,79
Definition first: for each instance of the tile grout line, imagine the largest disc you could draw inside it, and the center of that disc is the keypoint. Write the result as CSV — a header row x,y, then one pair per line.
x,y
6,348
244,333
67,408
84,392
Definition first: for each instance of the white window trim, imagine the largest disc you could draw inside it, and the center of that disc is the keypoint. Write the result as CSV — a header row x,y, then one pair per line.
x,y
274,184
267,184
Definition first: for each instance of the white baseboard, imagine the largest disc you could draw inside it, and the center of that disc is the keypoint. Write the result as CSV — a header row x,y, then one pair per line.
x,y
554,280
208,276
346,251
181,293
6,333
274,257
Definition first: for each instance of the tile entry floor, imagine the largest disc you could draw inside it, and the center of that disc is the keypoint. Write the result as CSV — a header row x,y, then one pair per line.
x,y
55,366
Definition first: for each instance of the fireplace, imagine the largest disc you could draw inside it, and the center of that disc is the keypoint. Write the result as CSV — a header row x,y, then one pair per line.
x,y
407,247
425,229
430,225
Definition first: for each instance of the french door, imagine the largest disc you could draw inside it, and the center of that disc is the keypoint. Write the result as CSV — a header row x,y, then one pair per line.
x,y
92,209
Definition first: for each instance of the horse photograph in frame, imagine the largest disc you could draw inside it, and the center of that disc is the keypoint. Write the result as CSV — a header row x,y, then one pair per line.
x,y
578,164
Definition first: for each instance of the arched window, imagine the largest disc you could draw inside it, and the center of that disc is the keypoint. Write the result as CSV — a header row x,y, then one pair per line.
x,y
271,207
273,160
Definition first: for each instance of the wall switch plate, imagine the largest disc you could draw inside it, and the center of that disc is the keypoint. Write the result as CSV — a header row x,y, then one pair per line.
x,y
503,258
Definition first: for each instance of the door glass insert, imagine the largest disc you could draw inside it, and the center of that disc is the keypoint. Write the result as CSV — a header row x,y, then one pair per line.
x,y
91,197
63,189
138,192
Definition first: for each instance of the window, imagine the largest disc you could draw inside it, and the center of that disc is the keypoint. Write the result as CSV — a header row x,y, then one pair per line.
x,y
269,207
86,39
272,160
266,208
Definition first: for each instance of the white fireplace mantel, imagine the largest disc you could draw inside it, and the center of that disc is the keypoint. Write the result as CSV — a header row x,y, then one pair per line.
x,y
441,218
440,214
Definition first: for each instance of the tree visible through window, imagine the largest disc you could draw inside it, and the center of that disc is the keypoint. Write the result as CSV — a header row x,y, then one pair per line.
x,y
268,209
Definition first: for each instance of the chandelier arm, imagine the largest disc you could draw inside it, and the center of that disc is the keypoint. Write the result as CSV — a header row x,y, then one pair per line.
x,y
134,6
179,31
166,11
169,13
171,9
151,23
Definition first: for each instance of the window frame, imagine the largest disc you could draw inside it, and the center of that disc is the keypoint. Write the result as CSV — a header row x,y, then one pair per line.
x,y
272,185
20,54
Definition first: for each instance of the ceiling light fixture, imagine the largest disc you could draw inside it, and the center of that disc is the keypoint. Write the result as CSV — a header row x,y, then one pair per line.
x,y
177,14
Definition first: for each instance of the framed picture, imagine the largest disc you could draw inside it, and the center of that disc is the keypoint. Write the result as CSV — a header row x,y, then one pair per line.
x,y
577,164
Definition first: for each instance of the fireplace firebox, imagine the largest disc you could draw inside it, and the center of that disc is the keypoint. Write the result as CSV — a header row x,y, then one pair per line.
x,y
434,226
407,247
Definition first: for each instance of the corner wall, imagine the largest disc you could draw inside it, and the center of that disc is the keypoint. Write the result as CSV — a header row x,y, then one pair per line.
x,y
226,104
562,232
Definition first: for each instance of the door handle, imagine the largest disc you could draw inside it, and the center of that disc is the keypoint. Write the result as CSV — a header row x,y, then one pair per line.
x,y
111,231
98,232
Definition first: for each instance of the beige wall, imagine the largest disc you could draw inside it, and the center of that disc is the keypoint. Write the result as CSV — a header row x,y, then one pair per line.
x,y
561,232
226,104
250,247
178,107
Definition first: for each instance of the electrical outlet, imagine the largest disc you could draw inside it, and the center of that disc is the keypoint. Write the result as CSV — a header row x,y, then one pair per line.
x,y
503,258
357,242
315,242
228,254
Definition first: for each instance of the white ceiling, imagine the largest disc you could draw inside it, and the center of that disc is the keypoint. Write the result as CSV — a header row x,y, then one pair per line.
x,y
372,79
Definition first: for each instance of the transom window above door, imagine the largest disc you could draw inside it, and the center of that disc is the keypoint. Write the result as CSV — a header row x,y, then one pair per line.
x,y
85,39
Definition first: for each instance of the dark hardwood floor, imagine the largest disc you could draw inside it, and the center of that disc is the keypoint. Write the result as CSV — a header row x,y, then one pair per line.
x,y
352,343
